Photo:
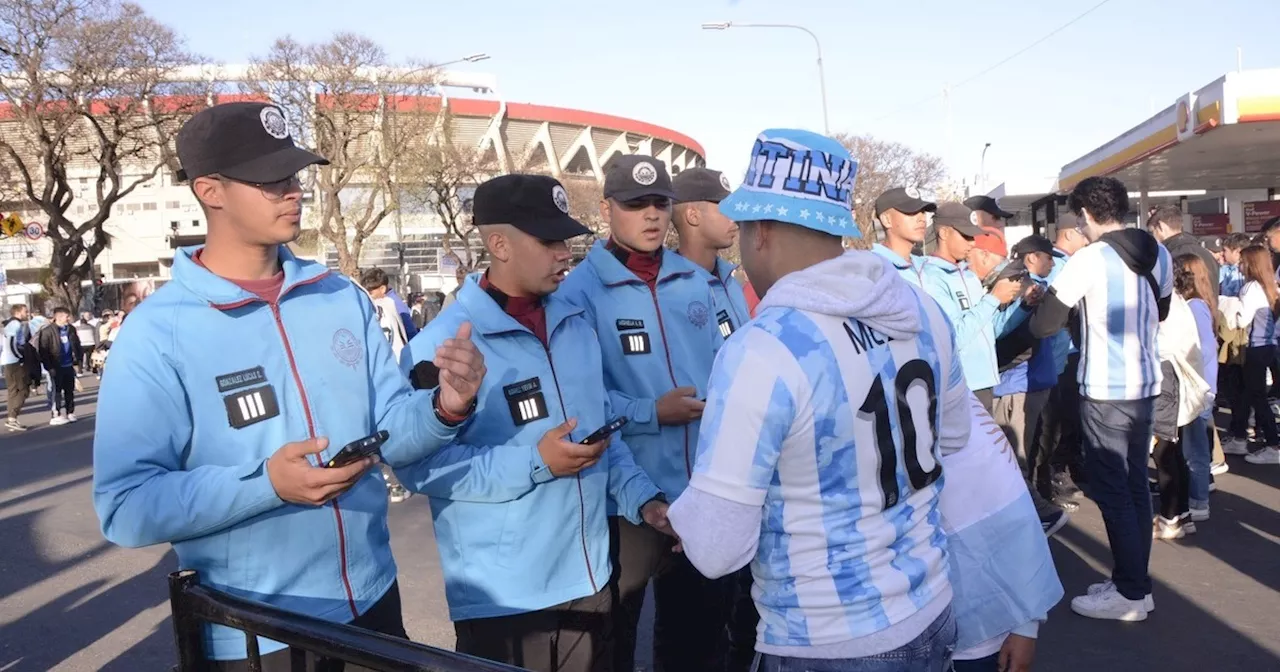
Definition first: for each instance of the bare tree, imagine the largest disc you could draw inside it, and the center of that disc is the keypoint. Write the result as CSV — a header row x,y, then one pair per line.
x,y
348,103
440,177
883,165
82,91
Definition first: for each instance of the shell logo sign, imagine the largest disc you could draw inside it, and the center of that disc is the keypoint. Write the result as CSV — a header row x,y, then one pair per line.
x,y
1186,116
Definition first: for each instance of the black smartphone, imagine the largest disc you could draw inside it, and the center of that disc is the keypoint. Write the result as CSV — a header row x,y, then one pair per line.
x,y
603,433
359,449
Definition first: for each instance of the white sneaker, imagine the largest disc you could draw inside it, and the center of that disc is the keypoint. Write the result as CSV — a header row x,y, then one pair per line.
x,y
14,426
1199,516
57,420
1148,602
1219,468
1167,529
1109,605
1268,455
1234,446
71,417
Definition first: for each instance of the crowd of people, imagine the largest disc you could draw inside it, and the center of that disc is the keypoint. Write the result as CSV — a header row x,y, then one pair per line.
x,y
855,459
53,353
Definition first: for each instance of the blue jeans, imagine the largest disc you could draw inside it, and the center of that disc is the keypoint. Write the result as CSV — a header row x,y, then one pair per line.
x,y
1117,439
930,652
1197,446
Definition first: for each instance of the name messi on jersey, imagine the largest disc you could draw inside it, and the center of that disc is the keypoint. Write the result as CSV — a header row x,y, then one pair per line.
x,y
864,338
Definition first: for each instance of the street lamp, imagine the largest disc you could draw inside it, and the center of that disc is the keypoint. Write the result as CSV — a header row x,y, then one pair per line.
x,y
982,167
473,58
822,79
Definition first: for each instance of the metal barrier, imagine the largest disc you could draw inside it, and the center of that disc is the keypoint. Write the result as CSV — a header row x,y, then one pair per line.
x,y
194,605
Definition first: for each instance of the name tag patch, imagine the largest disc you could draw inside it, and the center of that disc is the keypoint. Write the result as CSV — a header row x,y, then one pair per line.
x,y
525,401
629,325
726,325
963,300
247,378
251,406
635,344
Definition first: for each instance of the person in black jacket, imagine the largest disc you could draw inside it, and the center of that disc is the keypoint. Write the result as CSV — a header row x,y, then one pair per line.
x,y
59,348
1165,223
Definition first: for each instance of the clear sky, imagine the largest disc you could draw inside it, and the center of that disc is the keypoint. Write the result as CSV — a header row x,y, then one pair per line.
x,y
652,61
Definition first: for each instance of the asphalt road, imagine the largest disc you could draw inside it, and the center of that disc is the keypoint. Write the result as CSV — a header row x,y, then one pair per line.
x,y
71,601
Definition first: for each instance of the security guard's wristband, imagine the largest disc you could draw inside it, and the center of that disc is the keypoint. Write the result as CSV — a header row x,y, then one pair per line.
x,y
448,418
656,498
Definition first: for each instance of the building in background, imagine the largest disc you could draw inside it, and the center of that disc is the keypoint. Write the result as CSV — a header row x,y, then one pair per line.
x,y
162,214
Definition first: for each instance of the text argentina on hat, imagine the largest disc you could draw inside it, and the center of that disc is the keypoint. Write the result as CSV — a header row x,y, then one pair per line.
x,y
780,168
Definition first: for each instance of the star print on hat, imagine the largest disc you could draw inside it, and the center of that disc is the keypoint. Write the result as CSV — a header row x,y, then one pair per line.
x,y
800,178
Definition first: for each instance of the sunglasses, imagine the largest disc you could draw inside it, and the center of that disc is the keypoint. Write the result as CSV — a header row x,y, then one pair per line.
x,y
273,191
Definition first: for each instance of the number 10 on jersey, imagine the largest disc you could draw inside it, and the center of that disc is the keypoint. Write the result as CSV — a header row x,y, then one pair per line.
x,y
876,409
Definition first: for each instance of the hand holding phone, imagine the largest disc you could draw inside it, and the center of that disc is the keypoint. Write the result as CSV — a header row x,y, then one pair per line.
x,y
562,455
359,449
298,481
604,432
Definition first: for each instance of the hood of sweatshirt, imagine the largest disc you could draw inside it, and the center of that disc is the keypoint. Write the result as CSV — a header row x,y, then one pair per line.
x,y
857,284
1136,247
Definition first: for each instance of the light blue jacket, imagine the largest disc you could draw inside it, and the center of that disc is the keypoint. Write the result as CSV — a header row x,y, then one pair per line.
x,y
909,269
205,384
512,537
730,300
975,315
1062,345
652,342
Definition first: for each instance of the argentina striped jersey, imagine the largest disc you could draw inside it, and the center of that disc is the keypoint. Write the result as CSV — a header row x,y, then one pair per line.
x,y
834,429
1119,320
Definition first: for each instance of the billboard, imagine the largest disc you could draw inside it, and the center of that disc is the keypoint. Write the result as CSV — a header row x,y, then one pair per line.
x,y
1256,213
1210,225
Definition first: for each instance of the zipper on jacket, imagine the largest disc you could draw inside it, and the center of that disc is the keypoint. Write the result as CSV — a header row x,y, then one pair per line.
x,y
582,500
985,338
666,350
311,432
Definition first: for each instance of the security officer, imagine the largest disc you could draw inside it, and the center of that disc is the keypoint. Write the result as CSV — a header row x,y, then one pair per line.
x,y
658,335
238,380
704,233
987,212
904,217
519,504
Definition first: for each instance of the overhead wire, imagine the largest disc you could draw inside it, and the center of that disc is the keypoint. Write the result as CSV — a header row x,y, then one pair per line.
x,y
988,70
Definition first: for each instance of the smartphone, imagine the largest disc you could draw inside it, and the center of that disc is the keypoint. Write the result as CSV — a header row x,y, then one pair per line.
x,y
359,449
603,433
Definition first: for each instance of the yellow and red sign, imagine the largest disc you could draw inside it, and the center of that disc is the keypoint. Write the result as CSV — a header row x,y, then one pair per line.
x,y
12,225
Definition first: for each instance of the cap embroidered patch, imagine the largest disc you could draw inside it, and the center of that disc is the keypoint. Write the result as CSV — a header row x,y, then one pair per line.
x,y
561,199
644,173
912,192
273,123
800,178
724,182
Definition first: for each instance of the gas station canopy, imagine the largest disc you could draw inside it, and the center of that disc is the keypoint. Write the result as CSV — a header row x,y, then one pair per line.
x,y
1224,136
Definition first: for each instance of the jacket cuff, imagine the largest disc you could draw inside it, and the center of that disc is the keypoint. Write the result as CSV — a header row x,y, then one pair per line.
x,y
1030,630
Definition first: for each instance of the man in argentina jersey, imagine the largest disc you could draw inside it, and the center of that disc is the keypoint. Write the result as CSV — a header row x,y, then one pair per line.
x,y
818,459
1122,282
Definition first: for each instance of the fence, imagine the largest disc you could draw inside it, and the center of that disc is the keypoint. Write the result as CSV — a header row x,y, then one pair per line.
x,y
194,604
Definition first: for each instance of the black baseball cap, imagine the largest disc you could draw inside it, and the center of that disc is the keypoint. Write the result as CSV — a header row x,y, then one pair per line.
x,y
1213,243
957,216
247,142
633,176
536,204
906,200
988,205
1032,243
700,184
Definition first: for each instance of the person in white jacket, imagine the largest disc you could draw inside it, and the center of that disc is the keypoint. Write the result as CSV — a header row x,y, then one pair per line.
x,y
1184,395
1259,299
